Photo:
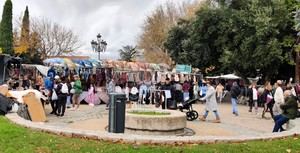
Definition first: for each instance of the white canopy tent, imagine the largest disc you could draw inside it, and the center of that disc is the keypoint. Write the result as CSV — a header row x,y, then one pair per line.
x,y
227,76
230,77
212,77
42,69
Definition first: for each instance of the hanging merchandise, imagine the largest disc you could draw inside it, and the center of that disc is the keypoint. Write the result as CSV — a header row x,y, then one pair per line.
x,y
123,78
142,76
98,77
134,77
103,77
162,78
153,80
130,77
109,73
148,76
169,75
158,77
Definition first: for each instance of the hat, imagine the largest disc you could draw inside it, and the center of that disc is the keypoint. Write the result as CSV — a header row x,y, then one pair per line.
x,y
56,77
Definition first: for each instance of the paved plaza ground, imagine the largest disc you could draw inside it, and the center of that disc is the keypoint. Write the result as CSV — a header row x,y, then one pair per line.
x,y
247,124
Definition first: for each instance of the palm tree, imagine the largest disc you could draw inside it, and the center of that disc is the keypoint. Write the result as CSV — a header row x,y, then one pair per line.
x,y
128,53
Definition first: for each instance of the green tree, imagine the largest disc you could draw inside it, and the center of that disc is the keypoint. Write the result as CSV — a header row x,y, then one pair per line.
x,y
128,53
6,29
297,46
237,36
24,41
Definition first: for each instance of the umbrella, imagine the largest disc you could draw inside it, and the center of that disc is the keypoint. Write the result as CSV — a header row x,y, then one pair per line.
x,y
108,63
78,63
141,66
54,61
164,66
117,65
133,66
154,67
69,63
87,64
95,62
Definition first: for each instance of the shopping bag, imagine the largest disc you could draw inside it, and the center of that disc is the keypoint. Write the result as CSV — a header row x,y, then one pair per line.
x,y
54,95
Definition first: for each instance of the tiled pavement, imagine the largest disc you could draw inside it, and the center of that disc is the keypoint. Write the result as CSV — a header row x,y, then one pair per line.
x,y
91,122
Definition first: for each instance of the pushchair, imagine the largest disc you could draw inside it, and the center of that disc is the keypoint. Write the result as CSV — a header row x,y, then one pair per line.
x,y
188,105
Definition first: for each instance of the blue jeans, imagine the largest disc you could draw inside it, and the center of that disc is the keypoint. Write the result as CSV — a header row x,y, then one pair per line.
x,y
234,105
279,121
216,114
186,96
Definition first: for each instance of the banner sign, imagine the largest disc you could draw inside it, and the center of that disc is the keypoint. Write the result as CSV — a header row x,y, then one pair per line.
x,y
183,68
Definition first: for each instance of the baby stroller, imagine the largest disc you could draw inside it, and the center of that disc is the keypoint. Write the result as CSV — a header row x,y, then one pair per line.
x,y
188,105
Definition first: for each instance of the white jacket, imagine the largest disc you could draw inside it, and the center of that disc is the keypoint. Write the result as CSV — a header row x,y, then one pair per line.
x,y
211,101
279,99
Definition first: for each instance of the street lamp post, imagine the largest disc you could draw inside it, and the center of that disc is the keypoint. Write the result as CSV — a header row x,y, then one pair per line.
x,y
99,45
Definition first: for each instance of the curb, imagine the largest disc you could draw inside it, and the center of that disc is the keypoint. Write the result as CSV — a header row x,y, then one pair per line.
x,y
148,139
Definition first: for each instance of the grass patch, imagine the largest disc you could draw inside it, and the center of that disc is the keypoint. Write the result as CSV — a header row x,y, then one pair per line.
x,y
152,113
16,139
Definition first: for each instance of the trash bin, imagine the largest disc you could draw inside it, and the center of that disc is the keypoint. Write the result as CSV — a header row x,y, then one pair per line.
x,y
117,105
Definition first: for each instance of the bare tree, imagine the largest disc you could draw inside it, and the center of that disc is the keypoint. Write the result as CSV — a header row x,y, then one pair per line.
x,y
157,25
55,40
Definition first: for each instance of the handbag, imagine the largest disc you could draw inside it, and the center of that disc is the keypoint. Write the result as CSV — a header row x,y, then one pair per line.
x,y
54,95
72,91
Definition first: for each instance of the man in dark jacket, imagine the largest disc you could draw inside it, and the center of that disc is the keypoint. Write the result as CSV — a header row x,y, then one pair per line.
x,y
235,92
168,87
62,96
290,111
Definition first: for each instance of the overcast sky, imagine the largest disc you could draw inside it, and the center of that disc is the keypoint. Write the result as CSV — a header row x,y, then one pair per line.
x,y
119,21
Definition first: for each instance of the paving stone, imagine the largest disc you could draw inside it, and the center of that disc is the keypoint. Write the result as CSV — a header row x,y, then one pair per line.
x,y
232,129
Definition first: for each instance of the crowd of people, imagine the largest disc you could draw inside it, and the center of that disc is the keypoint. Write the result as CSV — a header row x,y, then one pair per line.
x,y
64,92
279,100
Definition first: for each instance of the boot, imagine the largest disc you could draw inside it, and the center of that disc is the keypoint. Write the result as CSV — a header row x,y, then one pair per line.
x,y
217,120
203,118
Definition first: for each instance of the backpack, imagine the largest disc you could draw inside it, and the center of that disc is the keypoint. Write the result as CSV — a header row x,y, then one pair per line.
x,y
48,83
64,89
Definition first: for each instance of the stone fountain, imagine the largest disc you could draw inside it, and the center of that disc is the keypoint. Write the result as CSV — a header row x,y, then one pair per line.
x,y
154,122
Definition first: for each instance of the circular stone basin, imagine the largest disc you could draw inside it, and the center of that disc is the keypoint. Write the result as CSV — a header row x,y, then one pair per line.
x,y
154,122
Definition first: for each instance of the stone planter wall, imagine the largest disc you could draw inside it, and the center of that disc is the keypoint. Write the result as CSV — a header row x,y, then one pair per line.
x,y
171,124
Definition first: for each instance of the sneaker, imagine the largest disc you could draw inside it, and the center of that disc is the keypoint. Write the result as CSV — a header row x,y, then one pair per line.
x,y
216,121
72,109
202,119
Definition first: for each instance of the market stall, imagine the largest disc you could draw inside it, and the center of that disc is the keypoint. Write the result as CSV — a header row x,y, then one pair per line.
x,y
34,70
9,67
